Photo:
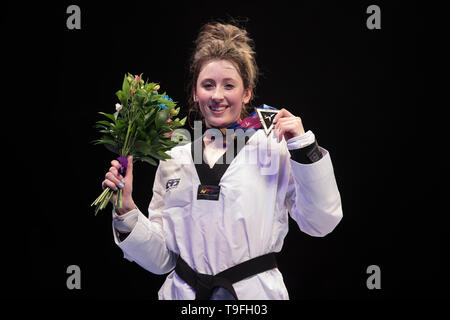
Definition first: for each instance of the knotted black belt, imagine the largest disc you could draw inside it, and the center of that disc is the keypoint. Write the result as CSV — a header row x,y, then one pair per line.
x,y
204,284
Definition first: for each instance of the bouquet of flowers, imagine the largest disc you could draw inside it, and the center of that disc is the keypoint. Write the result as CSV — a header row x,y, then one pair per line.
x,y
142,127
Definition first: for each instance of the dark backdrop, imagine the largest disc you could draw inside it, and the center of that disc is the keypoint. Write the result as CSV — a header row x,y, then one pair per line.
x,y
357,89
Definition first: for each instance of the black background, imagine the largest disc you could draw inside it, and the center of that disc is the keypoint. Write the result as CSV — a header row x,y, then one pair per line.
x,y
357,89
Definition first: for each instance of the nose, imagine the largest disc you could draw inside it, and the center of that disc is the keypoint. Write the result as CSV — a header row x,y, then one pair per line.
x,y
217,95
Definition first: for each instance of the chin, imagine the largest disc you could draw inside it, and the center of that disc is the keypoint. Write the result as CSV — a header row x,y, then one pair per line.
x,y
218,123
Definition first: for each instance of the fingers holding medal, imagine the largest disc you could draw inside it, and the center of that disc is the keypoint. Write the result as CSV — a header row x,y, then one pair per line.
x,y
287,125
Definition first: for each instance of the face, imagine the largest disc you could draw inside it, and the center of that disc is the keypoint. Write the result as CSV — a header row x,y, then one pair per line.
x,y
220,93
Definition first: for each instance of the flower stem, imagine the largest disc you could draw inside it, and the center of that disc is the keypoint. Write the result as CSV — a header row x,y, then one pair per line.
x,y
126,139
119,197
100,198
102,201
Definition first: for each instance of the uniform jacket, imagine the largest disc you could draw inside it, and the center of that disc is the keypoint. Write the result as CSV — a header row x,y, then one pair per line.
x,y
260,188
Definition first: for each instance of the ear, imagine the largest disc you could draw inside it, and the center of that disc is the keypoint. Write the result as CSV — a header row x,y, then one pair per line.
x,y
247,95
194,95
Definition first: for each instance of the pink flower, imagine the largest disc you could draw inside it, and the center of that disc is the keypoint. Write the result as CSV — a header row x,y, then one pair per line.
x,y
136,78
169,120
167,134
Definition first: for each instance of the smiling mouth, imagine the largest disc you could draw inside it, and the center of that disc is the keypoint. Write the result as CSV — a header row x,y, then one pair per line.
x,y
218,108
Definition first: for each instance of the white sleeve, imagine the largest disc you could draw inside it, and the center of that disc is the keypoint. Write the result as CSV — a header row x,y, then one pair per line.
x,y
126,222
301,141
313,198
146,244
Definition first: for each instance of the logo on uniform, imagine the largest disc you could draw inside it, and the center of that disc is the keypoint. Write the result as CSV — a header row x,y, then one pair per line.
x,y
208,192
266,116
172,183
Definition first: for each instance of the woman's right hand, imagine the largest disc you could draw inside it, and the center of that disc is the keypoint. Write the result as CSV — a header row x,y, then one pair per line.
x,y
114,180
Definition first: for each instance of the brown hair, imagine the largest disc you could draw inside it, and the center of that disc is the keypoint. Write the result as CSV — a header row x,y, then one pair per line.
x,y
220,41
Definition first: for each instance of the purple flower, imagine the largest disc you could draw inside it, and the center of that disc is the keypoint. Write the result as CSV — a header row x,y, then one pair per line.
x,y
123,165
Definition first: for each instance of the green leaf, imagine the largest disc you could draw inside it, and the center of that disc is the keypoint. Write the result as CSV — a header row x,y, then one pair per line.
x,y
149,114
125,86
156,155
142,134
109,116
100,126
167,143
109,143
169,104
113,148
165,128
120,96
149,160
164,155
106,123
140,96
161,118
153,134
177,123
142,147
104,139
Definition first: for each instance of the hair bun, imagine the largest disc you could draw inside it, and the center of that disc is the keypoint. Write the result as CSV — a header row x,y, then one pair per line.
x,y
228,33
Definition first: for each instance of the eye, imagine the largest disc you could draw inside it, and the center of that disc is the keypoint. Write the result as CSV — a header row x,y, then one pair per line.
x,y
207,85
229,86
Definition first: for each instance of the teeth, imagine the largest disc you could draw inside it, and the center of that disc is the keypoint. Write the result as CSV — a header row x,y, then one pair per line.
x,y
217,109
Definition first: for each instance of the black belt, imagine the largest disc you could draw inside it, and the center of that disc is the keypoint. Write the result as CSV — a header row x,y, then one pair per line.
x,y
204,284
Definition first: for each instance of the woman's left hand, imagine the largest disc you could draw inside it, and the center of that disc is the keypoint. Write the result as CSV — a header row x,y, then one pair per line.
x,y
287,125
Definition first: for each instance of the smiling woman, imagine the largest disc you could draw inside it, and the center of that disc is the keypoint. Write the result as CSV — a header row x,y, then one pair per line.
x,y
224,74
217,229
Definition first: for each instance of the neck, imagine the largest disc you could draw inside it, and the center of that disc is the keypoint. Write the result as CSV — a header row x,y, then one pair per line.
x,y
223,127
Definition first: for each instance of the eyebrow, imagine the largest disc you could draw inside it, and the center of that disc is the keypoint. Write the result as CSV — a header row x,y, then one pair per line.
x,y
224,79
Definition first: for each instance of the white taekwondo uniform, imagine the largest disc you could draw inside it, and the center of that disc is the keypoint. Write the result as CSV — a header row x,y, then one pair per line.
x,y
257,191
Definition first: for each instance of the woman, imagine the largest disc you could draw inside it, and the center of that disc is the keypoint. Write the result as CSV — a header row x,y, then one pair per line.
x,y
216,223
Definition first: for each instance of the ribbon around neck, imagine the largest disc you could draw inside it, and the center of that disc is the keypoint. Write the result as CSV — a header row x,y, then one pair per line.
x,y
252,121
